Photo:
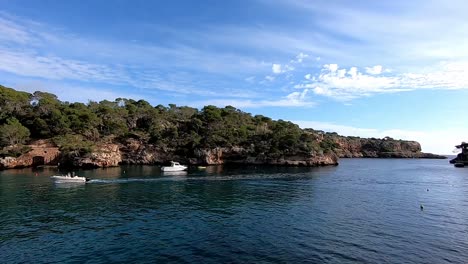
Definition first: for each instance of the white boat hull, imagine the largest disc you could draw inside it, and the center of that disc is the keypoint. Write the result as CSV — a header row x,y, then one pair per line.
x,y
169,168
63,179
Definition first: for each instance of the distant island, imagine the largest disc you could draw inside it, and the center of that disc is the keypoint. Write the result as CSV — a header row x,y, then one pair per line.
x,y
38,129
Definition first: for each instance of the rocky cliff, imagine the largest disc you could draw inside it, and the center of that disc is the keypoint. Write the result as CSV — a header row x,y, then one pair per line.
x,y
41,152
105,155
134,152
355,147
248,156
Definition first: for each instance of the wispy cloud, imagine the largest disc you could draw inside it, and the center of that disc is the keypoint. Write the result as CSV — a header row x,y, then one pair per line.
x,y
299,58
31,49
394,33
52,67
12,32
361,38
294,99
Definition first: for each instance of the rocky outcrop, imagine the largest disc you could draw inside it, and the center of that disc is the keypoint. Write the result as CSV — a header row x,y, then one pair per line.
x,y
137,153
105,155
134,152
10,163
42,153
240,155
353,147
461,158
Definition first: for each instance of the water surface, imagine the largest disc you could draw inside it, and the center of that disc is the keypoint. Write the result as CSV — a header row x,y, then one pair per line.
x,y
363,211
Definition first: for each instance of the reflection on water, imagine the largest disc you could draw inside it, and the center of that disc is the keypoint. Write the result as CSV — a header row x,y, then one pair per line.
x,y
361,211
68,185
174,173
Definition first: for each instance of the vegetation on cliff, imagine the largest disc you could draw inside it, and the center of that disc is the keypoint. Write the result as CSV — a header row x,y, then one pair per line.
x,y
182,132
77,128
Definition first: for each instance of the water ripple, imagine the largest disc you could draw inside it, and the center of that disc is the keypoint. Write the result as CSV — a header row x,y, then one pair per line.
x,y
363,211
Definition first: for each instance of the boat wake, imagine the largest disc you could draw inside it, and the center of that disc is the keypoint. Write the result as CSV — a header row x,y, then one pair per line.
x,y
131,180
202,178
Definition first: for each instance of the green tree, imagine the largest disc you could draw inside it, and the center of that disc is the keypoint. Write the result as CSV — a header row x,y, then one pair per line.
x,y
13,103
13,132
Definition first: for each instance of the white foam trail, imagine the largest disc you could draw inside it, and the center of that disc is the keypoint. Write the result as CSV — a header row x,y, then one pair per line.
x,y
128,180
202,178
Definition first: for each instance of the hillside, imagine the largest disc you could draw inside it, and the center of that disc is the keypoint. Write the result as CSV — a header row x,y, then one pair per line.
x,y
125,131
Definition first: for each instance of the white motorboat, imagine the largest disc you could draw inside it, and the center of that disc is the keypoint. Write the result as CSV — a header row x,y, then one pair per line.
x,y
68,178
175,166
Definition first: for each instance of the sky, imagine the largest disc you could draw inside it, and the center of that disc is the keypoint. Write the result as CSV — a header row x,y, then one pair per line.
x,y
360,68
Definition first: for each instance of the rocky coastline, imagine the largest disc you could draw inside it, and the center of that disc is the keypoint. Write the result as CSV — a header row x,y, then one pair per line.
x,y
354,147
133,152
37,129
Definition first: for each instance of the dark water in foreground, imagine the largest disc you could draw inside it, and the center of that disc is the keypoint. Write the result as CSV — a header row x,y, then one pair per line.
x,y
363,211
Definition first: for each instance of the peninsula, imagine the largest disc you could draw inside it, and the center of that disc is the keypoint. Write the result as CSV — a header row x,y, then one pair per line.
x,y
39,129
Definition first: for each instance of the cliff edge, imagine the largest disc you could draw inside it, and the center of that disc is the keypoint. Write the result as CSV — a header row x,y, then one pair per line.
x,y
356,147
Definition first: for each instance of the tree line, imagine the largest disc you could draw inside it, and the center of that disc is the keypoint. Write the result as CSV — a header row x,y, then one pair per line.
x,y
78,127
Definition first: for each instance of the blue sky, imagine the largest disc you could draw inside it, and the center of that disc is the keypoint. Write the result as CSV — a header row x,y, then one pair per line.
x,y
366,68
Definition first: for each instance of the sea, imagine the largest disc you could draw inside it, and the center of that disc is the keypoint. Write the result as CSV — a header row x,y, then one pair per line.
x,y
362,211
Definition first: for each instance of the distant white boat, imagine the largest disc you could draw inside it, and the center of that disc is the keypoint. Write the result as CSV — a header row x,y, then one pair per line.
x,y
68,178
175,166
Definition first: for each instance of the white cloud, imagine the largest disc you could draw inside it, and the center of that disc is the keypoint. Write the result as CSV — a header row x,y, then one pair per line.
x,y
331,67
297,96
346,84
436,141
276,68
269,78
377,69
308,76
352,72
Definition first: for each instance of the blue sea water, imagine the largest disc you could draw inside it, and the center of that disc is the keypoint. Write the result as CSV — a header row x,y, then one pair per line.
x,y
362,211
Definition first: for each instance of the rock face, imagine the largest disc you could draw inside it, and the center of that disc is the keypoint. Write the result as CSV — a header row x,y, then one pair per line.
x,y
352,147
461,158
106,155
134,152
41,153
10,163
244,156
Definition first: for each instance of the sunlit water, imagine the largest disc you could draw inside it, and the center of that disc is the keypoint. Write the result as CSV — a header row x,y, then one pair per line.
x,y
363,211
